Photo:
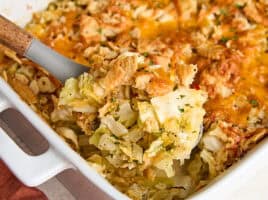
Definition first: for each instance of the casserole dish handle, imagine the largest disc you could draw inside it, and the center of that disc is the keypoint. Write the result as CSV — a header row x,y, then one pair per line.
x,y
31,170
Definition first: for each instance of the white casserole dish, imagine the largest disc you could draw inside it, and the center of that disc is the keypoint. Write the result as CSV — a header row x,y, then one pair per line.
x,y
34,170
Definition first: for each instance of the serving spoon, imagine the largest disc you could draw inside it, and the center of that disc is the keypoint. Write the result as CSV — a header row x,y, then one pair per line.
x,y
26,45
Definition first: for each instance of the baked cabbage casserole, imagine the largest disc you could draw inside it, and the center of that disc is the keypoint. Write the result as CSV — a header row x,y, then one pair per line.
x,y
175,93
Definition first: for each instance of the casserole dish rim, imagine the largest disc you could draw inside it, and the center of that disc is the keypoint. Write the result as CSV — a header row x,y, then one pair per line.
x,y
231,175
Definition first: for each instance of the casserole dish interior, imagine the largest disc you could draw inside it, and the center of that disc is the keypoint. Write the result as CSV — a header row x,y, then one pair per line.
x,y
222,37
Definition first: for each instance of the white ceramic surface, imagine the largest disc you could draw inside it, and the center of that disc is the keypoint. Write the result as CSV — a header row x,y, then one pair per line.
x,y
32,170
239,182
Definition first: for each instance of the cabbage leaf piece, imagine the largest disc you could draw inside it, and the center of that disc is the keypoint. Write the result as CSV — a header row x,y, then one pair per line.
x,y
81,95
180,117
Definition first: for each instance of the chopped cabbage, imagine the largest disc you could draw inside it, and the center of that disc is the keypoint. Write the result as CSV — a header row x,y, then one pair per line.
x,y
69,92
107,143
86,86
174,104
68,134
80,94
164,162
126,115
96,161
115,127
82,106
212,143
147,117
133,151
61,115
145,134
94,139
180,115
174,119
134,135
208,158
154,148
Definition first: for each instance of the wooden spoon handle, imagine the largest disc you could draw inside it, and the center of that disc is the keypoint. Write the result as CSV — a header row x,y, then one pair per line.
x,y
14,37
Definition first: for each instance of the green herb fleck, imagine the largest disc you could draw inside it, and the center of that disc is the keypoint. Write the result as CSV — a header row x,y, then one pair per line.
x,y
91,61
151,62
169,147
223,12
240,6
99,30
114,136
232,29
181,110
181,96
161,130
217,20
254,103
224,39
160,5
117,109
235,37
145,54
